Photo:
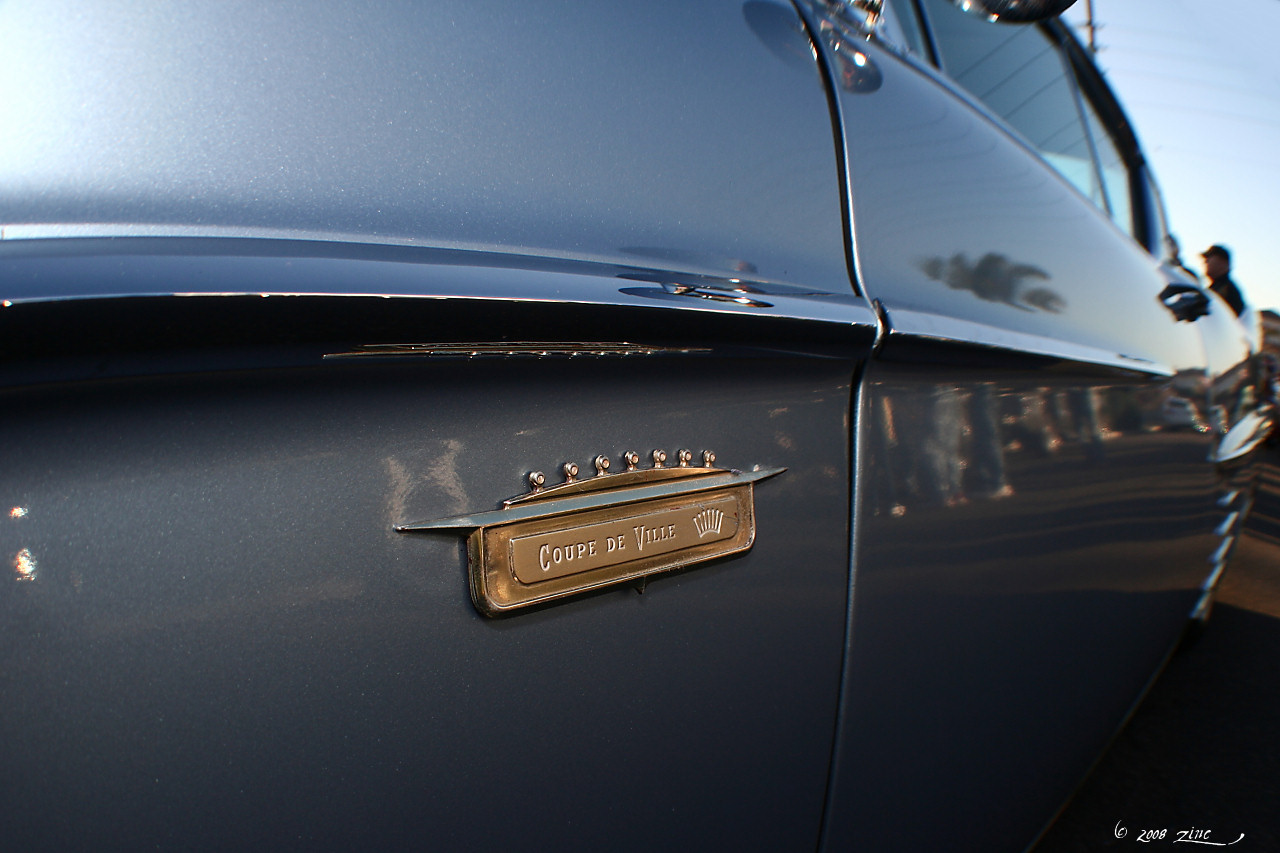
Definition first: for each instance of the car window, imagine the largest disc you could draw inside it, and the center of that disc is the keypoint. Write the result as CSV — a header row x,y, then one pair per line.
x,y
1114,170
903,27
1020,74
1158,240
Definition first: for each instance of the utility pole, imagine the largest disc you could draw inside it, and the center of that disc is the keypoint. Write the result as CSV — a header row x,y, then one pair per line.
x,y
1088,9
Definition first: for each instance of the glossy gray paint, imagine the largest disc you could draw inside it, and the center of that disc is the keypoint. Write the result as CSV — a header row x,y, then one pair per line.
x,y
214,638
1029,549
648,134
226,644
1023,562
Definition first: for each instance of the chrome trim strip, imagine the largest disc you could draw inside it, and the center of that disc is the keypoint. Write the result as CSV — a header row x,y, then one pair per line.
x,y
1250,431
883,327
138,264
501,349
606,498
1211,582
1219,560
97,230
1201,611
1228,524
920,324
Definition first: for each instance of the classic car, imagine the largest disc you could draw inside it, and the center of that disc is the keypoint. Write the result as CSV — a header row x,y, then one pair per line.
x,y
717,425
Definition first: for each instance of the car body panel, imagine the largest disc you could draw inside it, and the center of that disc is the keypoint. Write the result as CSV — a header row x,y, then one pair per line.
x,y
280,282
1022,570
217,638
1022,565
214,636
644,141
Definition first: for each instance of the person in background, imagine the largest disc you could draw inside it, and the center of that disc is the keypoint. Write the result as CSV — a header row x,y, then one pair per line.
x,y
1217,268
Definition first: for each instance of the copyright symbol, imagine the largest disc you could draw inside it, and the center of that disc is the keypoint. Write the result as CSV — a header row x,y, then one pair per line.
x,y
1121,831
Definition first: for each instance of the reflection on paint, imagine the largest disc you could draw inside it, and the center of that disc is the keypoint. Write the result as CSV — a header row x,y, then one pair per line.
x,y
951,444
995,278
24,566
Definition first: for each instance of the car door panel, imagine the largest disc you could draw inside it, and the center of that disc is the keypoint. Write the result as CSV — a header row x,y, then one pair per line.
x,y
1030,540
215,621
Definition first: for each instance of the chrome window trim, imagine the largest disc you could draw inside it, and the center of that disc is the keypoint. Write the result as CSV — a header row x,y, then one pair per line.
x,y
924,325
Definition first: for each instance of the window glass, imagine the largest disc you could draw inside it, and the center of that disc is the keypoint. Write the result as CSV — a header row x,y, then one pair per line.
x,y
1159,241
1115,174
904,23
1018,72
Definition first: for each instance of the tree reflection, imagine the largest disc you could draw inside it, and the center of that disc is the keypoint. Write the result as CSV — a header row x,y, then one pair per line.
x,y
996,279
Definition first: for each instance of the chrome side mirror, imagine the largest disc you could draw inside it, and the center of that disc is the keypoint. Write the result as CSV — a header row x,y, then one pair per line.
x,y
863,16
1014,11
1185,302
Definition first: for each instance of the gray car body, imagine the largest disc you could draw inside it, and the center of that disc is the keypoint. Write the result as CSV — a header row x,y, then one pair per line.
x,y
214,637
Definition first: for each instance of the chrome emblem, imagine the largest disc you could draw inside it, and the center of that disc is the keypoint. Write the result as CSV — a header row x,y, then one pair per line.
x,y
592,532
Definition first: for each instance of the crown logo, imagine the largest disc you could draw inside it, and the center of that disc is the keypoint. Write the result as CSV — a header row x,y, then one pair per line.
x,y
708,521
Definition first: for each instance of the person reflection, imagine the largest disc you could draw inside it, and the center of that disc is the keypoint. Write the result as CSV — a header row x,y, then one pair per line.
x,y
986,469
939,477
886,496
938,446
942,445
1078,418
916,449
1033,428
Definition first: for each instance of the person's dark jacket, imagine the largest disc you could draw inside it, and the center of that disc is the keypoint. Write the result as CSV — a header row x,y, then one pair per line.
x,y
1226,288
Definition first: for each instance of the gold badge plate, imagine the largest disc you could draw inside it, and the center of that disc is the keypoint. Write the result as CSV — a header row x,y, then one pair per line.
x,y
583,535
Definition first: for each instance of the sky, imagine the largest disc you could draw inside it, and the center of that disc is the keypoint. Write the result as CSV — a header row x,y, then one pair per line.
x,y
1200,80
